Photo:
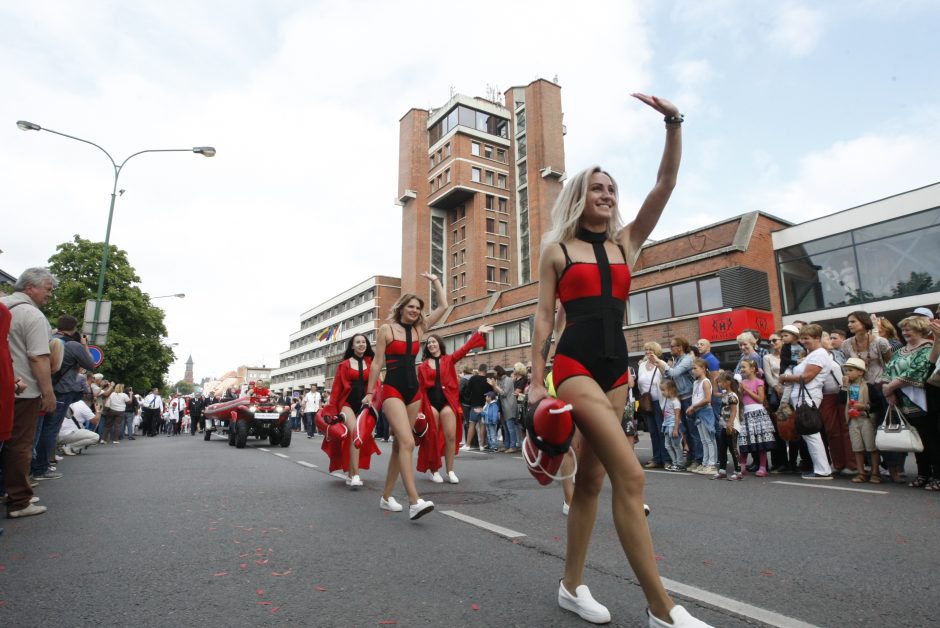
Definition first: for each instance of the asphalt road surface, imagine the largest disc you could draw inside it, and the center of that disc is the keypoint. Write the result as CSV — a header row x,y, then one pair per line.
x,y
182,532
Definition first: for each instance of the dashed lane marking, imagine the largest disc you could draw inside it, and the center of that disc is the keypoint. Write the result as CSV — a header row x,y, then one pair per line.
x,y
263,449
281,455
832,488
685,474
486,525
736,607
306,464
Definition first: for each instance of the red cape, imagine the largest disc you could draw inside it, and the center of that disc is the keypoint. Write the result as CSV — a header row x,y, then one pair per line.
x,y
7,394
338,450
431,448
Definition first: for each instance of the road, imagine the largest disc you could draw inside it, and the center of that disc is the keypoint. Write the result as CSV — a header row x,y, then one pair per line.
x,y
178,531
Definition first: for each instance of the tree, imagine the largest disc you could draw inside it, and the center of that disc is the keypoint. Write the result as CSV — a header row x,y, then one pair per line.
x,y
919,283
183,387
136,354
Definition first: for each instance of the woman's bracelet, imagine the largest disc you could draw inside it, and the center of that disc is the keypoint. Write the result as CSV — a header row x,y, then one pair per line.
x,y
676,119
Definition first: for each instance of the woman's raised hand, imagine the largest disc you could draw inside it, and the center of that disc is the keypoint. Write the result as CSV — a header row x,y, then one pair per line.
x,y
430,276
485,329
661,105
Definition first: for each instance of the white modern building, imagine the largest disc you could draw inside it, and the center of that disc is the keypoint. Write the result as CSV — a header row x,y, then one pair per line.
x,y
882,257
325,329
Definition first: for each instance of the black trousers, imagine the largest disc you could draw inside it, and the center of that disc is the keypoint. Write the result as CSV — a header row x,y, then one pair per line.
x,y
726,444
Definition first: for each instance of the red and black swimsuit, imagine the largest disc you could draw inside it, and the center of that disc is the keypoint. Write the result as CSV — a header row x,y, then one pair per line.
x,y
401,379
594,295
357,386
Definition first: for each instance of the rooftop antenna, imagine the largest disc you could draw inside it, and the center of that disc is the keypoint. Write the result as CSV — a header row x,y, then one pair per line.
x,y
555,79
453,90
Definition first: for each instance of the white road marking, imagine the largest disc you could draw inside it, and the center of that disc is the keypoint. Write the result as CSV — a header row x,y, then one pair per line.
x,y
262,449
339,474
281,455
832,488
492,527
676,473
736,607
306,464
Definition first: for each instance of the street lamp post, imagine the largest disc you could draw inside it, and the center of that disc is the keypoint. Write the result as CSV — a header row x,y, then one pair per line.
x,y
207,151
178,295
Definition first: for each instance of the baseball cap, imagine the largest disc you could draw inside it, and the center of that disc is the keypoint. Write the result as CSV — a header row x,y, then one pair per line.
x,y
921,311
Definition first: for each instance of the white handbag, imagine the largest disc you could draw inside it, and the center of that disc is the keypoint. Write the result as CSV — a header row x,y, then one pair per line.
x,y
897,434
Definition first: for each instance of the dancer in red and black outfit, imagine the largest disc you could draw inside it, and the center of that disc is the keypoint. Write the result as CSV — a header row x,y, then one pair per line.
x,y
349,388
585,263
399,396
437,377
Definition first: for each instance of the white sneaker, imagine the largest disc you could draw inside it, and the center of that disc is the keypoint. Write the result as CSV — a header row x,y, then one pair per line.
x,y
435,477
29,511
390,504
419,509
59,458
67,450
354,482
680,619
564,509
452,478
582,604
465,447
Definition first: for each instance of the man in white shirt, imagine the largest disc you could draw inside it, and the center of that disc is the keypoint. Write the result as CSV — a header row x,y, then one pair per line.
x,y
72,436
312,402
151,408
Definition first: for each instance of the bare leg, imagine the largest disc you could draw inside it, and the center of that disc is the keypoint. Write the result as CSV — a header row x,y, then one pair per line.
x,y
470,432
567,486
353,452
448,422
605,448
400,420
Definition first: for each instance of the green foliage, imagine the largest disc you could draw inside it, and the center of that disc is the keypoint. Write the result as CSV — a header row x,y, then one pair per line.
x,y
919,283
183,387
135,354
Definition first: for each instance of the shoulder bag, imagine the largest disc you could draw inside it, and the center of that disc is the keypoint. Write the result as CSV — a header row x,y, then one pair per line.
x,y
897,434
786,423
807,416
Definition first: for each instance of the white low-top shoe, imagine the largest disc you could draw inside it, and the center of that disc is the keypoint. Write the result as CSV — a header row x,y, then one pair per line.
x,y
419,509
452,478
354,482
680,619
390,504
585,606
435,477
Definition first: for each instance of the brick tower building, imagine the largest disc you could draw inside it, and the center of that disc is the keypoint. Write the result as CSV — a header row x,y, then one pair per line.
x,y
476,181
188,377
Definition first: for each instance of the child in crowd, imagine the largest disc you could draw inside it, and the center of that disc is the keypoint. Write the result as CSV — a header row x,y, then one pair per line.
x,y
858,416
672,415
704,417
728,427
491,419
757,434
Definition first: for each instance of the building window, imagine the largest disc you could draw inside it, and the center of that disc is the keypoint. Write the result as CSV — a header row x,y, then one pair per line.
x,y
521,148
890,259
490,225
491,273
463,253
503,228
455,235
447,149
501,181
523,171
447,175
463,232
524,259
681,299
476,174
504,275
453,285
503,204
501,155
461,212
490,249
489,177
475,149
487,151
463,280
490,199
503,251
454,256
520,121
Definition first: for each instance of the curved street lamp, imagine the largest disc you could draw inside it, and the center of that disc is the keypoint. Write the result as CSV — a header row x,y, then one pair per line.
x,y
206,151
178,295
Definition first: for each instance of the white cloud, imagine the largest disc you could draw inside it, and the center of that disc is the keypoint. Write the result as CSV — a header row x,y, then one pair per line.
x,y
797,28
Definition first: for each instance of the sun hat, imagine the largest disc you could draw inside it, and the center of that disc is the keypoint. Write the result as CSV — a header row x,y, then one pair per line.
x,y
856,363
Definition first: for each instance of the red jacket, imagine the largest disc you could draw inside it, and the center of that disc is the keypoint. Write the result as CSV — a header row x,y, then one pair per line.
x,y
339,450
432,445
7,394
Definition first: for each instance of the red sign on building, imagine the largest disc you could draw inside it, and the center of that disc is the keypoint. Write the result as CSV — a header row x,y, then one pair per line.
x,y
728,325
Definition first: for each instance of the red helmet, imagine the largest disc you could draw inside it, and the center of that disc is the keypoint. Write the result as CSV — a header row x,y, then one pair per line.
x,y
365,425
549,429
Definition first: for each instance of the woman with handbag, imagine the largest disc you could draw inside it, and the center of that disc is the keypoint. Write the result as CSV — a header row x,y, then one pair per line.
x,y
806,395
649,376
904,389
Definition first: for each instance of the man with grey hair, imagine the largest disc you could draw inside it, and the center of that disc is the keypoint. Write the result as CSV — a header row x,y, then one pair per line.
x,y
29,346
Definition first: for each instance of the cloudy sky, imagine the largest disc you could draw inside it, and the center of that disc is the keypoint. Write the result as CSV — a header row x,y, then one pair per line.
x,y
795,108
